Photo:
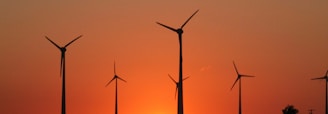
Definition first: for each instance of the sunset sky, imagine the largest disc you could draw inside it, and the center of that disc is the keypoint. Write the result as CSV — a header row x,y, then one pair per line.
x,y
281,42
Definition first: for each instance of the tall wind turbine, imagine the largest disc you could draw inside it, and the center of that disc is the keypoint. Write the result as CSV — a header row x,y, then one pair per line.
x,y
115,78
324,78
239,76
179,31
62,70
177,84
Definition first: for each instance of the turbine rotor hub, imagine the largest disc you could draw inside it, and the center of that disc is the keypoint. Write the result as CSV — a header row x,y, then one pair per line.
x,y
179,31
63,49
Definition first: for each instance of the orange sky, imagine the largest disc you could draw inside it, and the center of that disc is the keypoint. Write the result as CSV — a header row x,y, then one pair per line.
x,y
283,43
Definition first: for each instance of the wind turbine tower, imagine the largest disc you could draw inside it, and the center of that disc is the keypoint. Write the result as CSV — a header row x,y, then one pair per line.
x,y
62,70
239,76
179,31
116,77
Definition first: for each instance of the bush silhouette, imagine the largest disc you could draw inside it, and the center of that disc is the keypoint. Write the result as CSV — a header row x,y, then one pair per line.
x,y
289,109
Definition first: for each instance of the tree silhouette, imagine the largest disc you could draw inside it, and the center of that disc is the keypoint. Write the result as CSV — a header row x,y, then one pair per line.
x,y
289,109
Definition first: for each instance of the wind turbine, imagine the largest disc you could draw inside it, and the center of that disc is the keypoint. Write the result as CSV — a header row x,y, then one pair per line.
x,y
325,78
239,76
179,31
115,78
177,84
311,111
62,70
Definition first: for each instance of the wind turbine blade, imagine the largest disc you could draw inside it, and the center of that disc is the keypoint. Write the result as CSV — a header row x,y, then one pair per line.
x,y
189,19
114,68
175,30
110,81
172,79
176,90
185,78
53,42
234,83
121,79
319,78
73,40
235,67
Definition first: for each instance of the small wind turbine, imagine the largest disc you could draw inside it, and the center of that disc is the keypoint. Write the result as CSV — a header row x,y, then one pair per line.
x,y
324,78
179,31
239,76
115,78
177,84
311,111
62,70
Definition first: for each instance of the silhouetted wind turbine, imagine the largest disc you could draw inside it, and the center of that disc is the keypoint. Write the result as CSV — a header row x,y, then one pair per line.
x,y
239,76
311,111
325,78
62,70
180,90
177,84
115,78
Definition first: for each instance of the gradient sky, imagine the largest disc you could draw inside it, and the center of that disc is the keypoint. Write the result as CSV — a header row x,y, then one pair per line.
x,y
283,43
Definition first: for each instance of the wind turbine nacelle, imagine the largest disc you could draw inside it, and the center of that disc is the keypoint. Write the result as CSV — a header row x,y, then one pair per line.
x,y
179,31
63,49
